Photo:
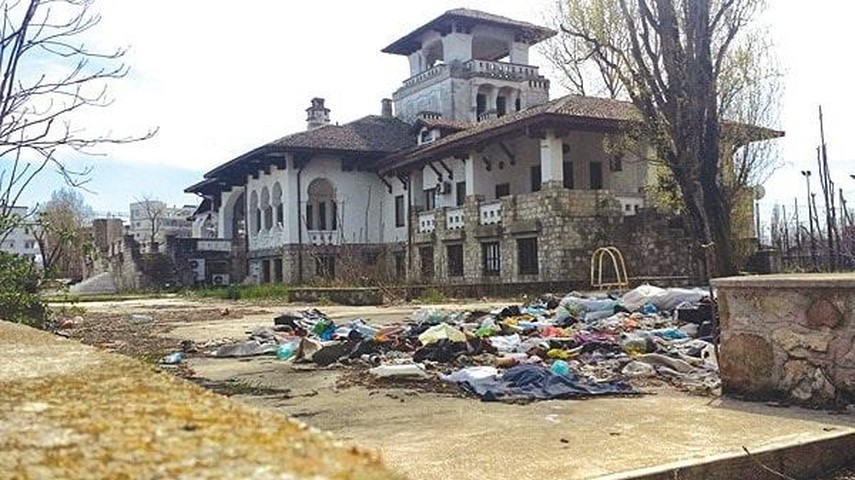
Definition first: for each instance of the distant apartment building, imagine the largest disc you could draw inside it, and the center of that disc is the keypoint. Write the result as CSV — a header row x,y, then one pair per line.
x,y
21,240
153,220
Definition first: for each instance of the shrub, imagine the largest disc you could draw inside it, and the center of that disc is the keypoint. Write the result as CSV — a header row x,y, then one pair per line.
x,y
19,299
433,296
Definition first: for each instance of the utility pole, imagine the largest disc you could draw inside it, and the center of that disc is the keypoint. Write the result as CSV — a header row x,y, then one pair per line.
x,y
806,174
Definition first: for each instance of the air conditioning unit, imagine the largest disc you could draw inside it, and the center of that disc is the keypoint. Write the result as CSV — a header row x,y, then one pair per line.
x,y
443,188
220,279
197,265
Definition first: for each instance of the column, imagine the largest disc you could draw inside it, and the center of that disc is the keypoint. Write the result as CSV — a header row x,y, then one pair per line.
x,y
552,160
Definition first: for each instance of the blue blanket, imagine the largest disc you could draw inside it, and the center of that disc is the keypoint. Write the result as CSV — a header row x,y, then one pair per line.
x,y
533,382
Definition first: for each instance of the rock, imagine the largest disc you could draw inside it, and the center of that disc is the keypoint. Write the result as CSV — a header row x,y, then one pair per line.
x,y
747,363
796,344
823,313
807,383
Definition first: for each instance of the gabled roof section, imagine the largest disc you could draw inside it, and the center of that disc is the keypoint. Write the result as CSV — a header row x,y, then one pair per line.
x,y
528,32
370,136
573,111
443,124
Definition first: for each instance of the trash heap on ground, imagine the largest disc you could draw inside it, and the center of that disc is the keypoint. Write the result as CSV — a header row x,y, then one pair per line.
x,y
572,347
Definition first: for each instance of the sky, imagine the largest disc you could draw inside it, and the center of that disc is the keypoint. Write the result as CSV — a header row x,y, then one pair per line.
x,y
220,78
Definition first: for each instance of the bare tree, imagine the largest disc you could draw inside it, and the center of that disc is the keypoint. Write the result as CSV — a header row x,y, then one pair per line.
x,y
154,211
584,72
673,65
60,234
48,76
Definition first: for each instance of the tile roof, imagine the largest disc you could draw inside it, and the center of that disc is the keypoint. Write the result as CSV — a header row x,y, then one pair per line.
x,y
412,41
601,111
370,135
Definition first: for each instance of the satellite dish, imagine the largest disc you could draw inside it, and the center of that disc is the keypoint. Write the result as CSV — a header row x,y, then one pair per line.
x,y
759,192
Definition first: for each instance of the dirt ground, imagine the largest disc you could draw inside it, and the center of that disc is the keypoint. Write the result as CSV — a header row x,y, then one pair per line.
x,y
441,433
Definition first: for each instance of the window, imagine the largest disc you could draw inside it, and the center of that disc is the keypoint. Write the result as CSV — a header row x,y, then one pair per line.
x,y
333,216
503,190
568,175
596,169
536,178
280,214
491,259
257,220
480,105
430,198
268,218
322,216
426,257
455,260
527,256
277,270
265,271
518,105
426,136
400,265
501,106
310,217
399,211
325,266
460,192
616,164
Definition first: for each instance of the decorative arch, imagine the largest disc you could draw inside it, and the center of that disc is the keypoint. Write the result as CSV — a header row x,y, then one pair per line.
x,y
255,213
266,208
321,207
278,207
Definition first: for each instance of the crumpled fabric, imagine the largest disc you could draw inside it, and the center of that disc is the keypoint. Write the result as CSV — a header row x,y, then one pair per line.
x,y
534,382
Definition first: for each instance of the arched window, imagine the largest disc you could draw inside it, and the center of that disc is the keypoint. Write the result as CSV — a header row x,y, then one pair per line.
x,y
255,213
321,208
278,208
266,209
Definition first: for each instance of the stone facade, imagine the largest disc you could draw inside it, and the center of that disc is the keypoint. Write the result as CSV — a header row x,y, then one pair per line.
x,y
789,337
568,226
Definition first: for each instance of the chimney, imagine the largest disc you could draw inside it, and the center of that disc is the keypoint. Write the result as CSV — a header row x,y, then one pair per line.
x,y
317,114
386,108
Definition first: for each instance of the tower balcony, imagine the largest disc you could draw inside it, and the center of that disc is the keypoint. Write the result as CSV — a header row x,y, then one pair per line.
x,y
474,69
500,70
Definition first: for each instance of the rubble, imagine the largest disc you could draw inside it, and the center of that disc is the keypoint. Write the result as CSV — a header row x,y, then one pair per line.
x,y
578,346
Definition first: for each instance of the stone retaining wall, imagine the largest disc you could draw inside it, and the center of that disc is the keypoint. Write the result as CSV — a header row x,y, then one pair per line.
x,y
789,337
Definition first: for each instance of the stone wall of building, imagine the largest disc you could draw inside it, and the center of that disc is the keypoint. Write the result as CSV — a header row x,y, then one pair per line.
x,y
568,225
788,337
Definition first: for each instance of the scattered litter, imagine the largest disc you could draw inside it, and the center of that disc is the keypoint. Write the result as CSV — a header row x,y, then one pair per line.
x,y
405,370
172,359
572,347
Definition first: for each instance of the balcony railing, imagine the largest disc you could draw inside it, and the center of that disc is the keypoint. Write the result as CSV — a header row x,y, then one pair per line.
x,y
491,213
418,78
427,222
507,71
455,218
324,237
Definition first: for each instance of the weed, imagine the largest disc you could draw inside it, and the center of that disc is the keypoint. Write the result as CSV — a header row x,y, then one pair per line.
x,y
432,296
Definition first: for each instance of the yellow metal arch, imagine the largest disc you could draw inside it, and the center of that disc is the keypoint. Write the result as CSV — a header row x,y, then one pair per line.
x,y
621,279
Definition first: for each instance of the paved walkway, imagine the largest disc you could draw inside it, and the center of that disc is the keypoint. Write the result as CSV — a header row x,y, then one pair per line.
x,y
71,411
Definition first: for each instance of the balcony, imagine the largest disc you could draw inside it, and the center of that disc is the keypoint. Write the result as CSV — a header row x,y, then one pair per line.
x,y
455,218
491,212
427,222
433,72
500,70
324,237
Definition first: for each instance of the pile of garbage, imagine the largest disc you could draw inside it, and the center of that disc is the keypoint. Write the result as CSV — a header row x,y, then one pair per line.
x,y
572,347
